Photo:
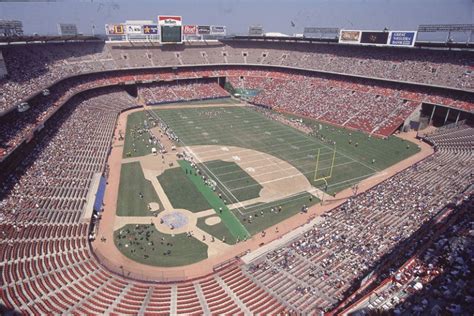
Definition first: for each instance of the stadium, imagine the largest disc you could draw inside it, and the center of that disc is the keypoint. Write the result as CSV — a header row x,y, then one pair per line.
x,y
173,169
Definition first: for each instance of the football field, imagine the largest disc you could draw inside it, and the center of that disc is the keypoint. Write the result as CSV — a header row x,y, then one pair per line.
x,y
248,129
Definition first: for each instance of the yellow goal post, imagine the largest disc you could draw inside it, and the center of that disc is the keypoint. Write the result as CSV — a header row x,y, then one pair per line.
x,y
324,177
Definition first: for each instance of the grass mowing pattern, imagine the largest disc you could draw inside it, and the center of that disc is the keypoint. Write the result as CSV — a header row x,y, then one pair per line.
x,y
247,128
132,183
227,217
184,250
181,192
217,230
135,122
290,206
230,171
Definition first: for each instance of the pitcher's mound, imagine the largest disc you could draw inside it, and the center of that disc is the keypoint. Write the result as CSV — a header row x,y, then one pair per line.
x,y
213,220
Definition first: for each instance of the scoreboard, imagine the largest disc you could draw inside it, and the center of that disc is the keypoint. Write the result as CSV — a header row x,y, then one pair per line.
x,y
171,34
171,28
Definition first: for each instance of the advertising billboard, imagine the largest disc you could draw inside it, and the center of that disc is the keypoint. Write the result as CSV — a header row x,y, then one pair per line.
x,y
402,38
319,32
150,29
170,20
255,30
190,29
114,29
133,29
204,29
218,30
374,38
65,29
349,37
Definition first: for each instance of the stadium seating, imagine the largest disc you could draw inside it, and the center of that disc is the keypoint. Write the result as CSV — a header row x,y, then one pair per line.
x,y
441,266
184,91
46,263
34,67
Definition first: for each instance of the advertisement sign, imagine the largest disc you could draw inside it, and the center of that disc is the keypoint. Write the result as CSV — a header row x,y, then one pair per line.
x,y
349,37
402,38
374,38
149,29
169,20
190,29
67,29
319,32
204,29
218,30
255,30
114,29
133,29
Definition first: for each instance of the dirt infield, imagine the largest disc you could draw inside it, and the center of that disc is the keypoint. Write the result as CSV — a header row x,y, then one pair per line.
x,y
220,251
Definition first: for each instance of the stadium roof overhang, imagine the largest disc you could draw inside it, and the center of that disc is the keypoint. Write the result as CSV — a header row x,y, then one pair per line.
x,y
292,39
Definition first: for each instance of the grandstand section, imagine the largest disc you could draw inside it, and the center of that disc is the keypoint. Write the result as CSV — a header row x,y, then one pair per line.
x,y
3,68
139,178
432,67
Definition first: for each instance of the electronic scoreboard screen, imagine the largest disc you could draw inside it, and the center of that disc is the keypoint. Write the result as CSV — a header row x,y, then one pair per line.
x,y
171,34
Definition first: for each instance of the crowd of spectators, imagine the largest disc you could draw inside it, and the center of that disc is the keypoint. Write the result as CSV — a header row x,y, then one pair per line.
x,y
36,66
438,278
54,184
31,68
329,101
317,270
358,105
181,91
438,67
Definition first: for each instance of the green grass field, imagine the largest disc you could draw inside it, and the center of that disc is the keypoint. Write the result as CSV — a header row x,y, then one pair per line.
x,y
263,217
144,244
232,223
217,230
132,183
243,186
181,192
136,143
386,152
247,128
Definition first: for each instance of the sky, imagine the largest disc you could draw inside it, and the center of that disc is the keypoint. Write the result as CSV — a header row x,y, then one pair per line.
x,y
237,15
